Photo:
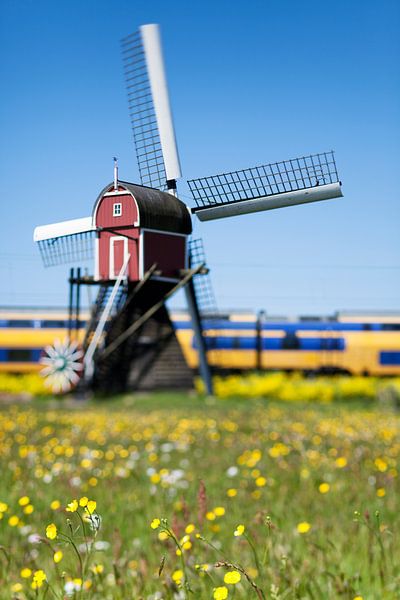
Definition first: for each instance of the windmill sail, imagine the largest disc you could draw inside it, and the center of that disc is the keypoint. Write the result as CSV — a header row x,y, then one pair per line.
x,y
287,183
67,242
149,109
202,282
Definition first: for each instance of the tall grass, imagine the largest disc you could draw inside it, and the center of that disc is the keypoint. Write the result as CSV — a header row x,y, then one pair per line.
x,y
179,497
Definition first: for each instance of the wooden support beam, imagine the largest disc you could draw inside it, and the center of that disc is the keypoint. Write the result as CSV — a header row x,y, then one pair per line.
x,y
149,313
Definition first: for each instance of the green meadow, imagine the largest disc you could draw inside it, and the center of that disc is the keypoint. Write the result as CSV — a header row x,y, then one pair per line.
x,y
173,496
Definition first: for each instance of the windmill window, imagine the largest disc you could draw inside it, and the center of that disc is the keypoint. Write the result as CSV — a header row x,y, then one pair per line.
x,y
117,209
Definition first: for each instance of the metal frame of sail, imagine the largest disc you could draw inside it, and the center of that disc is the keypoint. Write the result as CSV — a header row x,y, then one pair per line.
x,y
266,180
142,114
67,249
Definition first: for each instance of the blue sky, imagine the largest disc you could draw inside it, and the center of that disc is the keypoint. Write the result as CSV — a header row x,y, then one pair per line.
x,y
251,83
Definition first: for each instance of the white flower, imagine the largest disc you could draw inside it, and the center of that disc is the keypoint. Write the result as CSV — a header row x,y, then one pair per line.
x,y
167,447
69,588
34,538
25,529
232,471
101,545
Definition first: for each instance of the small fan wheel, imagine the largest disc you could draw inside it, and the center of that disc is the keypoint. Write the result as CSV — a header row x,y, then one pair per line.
x,y
62,366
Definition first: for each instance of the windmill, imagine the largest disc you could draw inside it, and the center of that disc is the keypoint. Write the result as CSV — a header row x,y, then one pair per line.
x,y
139,236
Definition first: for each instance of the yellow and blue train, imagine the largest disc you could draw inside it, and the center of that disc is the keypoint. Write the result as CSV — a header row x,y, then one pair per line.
x,y
347,343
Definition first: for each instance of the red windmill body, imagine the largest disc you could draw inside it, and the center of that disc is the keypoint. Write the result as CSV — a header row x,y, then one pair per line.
x,y
149,225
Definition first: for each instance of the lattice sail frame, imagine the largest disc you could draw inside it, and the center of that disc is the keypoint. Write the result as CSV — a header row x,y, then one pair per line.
x,y
142,114
68,249
289,182
202,282
150,109
67,242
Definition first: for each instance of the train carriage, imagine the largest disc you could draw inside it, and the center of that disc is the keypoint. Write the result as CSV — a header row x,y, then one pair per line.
x,y
350,343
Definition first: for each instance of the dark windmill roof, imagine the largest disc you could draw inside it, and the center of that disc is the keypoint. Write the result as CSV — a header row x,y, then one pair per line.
x,y
157,210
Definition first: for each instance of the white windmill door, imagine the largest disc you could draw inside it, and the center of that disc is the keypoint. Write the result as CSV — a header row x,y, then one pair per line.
x,y
118,254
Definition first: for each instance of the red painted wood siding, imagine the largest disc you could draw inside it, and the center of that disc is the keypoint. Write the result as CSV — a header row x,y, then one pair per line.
x,y
118,254
167,250
104,253
105,218
104,213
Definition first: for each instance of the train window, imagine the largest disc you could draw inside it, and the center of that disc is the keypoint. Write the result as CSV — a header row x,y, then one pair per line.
x,y
19,355
389,358
290,341
54,323
211,342
391,326
20,323
235,343
332,344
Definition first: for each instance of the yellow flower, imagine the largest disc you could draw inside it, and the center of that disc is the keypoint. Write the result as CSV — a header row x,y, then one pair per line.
x,y
381,465
358,598
341,462
3,507
13,521
252,572
16,587
72,506
177,576
23,501
219,511
190,528
239,530
91,506
25,573
98,569
381,492
303,527
220,593
210,516
57,556
204,567
261,481
163,535
232,577
39,577
51,531
28,510
324,488
83,501
231,493
55,505
155,524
